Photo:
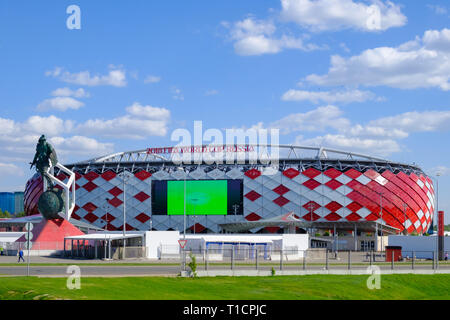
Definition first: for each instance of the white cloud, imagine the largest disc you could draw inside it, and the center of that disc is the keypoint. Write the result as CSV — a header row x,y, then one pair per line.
x,y
152,79
326,15
348,96
51,125
257,37
60,104
212,92
409,122
9,169
177,94
67,92
440,10
441,170
81,146
316,120
421,63
382,147
140,123
382,135
116,77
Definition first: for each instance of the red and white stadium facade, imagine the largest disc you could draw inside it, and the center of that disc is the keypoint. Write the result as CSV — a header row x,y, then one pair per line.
x,y
329,186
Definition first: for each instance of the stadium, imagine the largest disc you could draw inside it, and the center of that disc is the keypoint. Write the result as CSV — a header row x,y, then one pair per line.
x,y
318,187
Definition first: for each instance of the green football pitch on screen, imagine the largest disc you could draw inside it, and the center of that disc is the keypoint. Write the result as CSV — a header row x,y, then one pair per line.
x,y
202,197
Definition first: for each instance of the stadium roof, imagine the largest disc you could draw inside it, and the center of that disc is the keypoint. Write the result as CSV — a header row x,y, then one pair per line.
x,y
152,159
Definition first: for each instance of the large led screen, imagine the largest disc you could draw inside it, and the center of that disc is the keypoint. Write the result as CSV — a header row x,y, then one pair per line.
x,y
203,197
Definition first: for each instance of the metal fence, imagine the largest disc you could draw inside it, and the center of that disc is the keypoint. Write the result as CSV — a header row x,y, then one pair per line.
x,y
313,259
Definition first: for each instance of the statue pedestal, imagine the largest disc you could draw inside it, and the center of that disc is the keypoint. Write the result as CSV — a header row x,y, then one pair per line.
x,y
49,234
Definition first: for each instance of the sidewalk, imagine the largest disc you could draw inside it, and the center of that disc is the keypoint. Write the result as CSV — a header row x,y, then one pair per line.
x,y
56,260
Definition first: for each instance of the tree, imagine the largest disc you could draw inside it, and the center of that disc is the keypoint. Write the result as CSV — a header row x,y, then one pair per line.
x,y
20,214
6,214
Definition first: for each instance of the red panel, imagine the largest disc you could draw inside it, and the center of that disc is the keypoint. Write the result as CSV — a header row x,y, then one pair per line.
x,y
333,217
333,206
311,184
354,206
78,176
252,195
108,217
253,173
115,202
291,173
281,201
89,207
272,229
332,173
142,196
333,184
372,174
311,173
372,217
91,175
115,191
142,217
281,190
413,184
198,227
90,186
108,175
75,216
312,205
307,217
352,173
353,217
142,175
253,217
90,217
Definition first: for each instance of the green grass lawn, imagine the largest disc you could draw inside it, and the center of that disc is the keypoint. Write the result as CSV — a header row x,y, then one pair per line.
x,y
230,288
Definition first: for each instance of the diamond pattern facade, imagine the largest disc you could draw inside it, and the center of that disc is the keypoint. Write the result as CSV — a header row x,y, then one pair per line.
x,y
400,200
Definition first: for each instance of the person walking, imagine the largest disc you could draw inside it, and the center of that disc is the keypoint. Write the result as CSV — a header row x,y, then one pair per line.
x,y
21,255
1,250
446,256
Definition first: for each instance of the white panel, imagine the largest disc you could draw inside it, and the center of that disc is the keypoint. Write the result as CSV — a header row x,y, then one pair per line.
x,y
161,175
420,214
420,183
381,180
363,179
345,190
216,174
343,179
363,212
321,178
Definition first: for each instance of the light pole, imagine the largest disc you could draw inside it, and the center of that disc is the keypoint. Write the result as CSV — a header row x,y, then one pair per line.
x,y
438,174
311,207
194,201
106,222
405,206
124,180
381,216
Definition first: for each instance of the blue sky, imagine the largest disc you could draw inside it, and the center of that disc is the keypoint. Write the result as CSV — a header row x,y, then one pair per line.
x,y
326,72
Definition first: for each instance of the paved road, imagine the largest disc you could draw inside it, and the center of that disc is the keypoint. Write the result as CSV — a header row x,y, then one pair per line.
x,y
89,271
161,270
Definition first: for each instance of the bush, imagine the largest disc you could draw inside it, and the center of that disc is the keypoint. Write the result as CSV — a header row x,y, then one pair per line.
x,y
193,264
326,234
273,271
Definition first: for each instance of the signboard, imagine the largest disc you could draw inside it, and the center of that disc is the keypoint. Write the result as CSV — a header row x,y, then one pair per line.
x,y
182,243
